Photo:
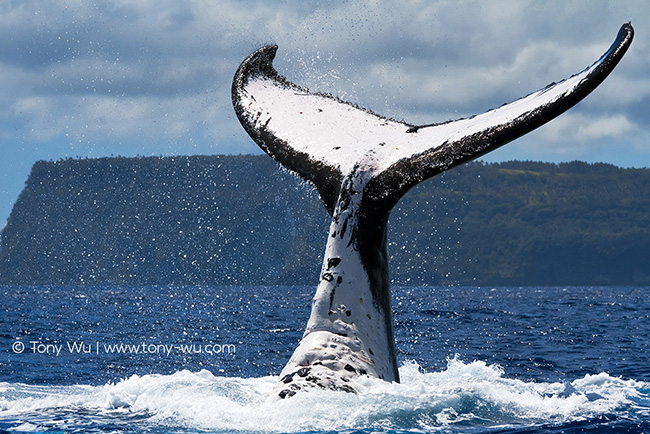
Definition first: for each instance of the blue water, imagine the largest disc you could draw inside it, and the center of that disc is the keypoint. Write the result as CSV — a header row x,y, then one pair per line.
x,y
203,359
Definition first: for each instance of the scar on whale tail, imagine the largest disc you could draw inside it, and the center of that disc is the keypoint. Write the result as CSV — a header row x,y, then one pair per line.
x,y
362,164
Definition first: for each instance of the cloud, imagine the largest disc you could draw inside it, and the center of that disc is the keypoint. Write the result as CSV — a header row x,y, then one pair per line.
x,y
150,72
577,128
142,77
576,136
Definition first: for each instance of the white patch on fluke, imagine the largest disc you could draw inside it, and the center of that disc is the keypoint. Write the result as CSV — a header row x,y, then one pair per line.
x,y
340,135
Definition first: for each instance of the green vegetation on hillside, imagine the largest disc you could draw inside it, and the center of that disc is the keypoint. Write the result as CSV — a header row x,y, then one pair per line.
x,y
243,220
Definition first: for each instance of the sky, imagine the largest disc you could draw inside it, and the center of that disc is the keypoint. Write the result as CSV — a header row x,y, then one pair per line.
x,y
144,77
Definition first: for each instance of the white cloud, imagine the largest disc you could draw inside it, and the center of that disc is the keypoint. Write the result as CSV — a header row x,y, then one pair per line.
x,y
140,71
578,136
583,128
148,77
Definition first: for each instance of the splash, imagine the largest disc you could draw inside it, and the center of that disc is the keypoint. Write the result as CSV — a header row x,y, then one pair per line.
x,y
465,395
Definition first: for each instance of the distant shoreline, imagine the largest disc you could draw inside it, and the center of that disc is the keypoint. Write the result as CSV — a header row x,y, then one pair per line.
x,y
243,220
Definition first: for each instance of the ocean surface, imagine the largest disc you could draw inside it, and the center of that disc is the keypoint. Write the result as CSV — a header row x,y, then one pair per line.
x,y
201,359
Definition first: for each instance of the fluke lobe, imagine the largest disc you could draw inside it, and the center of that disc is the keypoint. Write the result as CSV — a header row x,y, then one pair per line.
x,y
362,164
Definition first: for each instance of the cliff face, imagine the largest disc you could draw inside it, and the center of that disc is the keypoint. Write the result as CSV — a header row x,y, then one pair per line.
x,y
242,220
160,220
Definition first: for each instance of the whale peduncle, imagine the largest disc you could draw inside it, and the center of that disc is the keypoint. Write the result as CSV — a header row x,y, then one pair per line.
x,y
349,332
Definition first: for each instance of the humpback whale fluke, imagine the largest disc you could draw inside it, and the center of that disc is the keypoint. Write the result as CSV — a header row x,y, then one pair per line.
x,y
362,164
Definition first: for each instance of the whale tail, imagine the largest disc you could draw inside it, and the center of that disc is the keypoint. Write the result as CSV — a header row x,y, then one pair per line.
x,y
362,163
321,138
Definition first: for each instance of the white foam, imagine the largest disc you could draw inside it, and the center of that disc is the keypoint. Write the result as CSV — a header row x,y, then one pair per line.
x,y
25,427
469,393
